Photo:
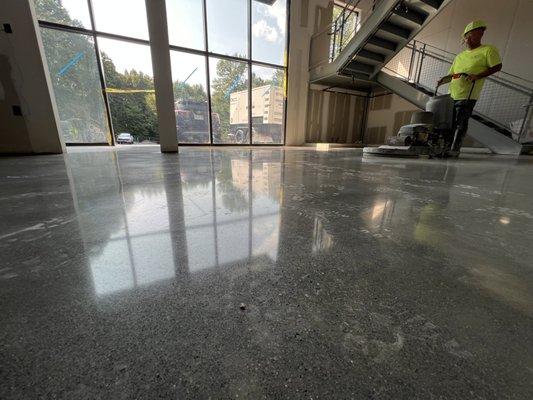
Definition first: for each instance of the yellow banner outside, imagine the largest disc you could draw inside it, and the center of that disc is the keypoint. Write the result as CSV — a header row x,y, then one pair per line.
x,y
114,90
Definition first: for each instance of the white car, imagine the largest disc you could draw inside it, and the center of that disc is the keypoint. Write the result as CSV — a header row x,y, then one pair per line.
x,y
125,138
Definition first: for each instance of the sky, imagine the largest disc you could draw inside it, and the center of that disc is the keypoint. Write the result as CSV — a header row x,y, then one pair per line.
x,y
227,31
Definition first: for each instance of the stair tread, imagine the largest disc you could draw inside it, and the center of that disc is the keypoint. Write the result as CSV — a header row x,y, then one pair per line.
x,y
384,43
360,66
371,55
410,13
397,30
433,3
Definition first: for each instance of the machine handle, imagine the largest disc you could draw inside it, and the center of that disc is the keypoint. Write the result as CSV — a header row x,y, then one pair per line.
x,y
454,76
471,90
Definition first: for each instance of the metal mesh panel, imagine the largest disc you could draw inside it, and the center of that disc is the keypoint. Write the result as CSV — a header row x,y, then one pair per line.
x,y
501,103
527,134
432,69
400,64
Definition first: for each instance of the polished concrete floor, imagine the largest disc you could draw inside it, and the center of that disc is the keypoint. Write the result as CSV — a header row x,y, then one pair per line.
x,y
265,273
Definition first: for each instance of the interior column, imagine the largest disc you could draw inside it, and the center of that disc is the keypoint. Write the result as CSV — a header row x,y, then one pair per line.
x,y
164,96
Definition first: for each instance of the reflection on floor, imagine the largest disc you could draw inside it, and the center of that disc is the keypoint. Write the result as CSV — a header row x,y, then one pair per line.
x,y
123,272
225,217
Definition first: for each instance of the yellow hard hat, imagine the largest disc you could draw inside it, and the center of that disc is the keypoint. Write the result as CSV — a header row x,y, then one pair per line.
x,y
475,25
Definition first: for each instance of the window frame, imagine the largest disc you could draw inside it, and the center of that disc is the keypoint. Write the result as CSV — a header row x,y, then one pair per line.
x,y
95,34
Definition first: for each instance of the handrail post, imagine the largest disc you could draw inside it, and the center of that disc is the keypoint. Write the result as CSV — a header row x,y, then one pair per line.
x,y
411,61
334,40
342,29
527,117
420,62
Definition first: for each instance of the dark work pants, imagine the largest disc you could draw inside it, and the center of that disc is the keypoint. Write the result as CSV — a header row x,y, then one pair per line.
x,y
462,110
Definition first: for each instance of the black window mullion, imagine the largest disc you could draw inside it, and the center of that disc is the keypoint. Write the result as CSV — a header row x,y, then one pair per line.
x,y
286,70
250,85
101,73
207,74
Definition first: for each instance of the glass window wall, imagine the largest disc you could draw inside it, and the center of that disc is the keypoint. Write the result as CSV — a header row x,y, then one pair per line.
x,y
229,100
269,36
268,105
185,20
121,17
130,90
71,60
190,98
228,69
65,12
227,28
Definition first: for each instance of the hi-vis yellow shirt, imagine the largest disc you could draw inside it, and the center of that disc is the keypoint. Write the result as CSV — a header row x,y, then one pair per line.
x,y
472,62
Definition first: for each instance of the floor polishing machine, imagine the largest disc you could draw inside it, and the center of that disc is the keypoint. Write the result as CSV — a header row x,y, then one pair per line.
x,y
430,133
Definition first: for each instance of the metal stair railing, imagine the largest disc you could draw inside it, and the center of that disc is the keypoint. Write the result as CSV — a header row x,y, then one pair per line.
x,y
340,34
506,99
337,34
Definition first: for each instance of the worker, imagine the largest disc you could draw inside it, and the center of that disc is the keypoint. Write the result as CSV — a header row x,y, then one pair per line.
x,y
467,75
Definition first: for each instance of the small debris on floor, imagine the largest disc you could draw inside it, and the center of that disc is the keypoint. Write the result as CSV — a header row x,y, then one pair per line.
x,y
242,306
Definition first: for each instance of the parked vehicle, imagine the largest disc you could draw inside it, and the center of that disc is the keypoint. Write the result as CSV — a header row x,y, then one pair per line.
x,y
125,138
267,115
192,121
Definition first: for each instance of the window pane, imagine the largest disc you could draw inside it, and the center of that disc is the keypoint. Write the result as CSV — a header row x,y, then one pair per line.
x,y
186,23
227,27
190,96
126,18
268,31
268,104
130,88
67,12
229,100
74,73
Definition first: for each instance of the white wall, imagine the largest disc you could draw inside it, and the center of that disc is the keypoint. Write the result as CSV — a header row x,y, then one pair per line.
x,y
386,113
28,83
335,116
307,18
302,26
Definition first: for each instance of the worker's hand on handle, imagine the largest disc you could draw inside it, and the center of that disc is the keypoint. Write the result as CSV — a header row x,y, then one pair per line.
x,y
444,80
472,77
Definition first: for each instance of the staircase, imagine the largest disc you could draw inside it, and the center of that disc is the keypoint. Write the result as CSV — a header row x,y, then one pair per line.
x,y
389,27
381,52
